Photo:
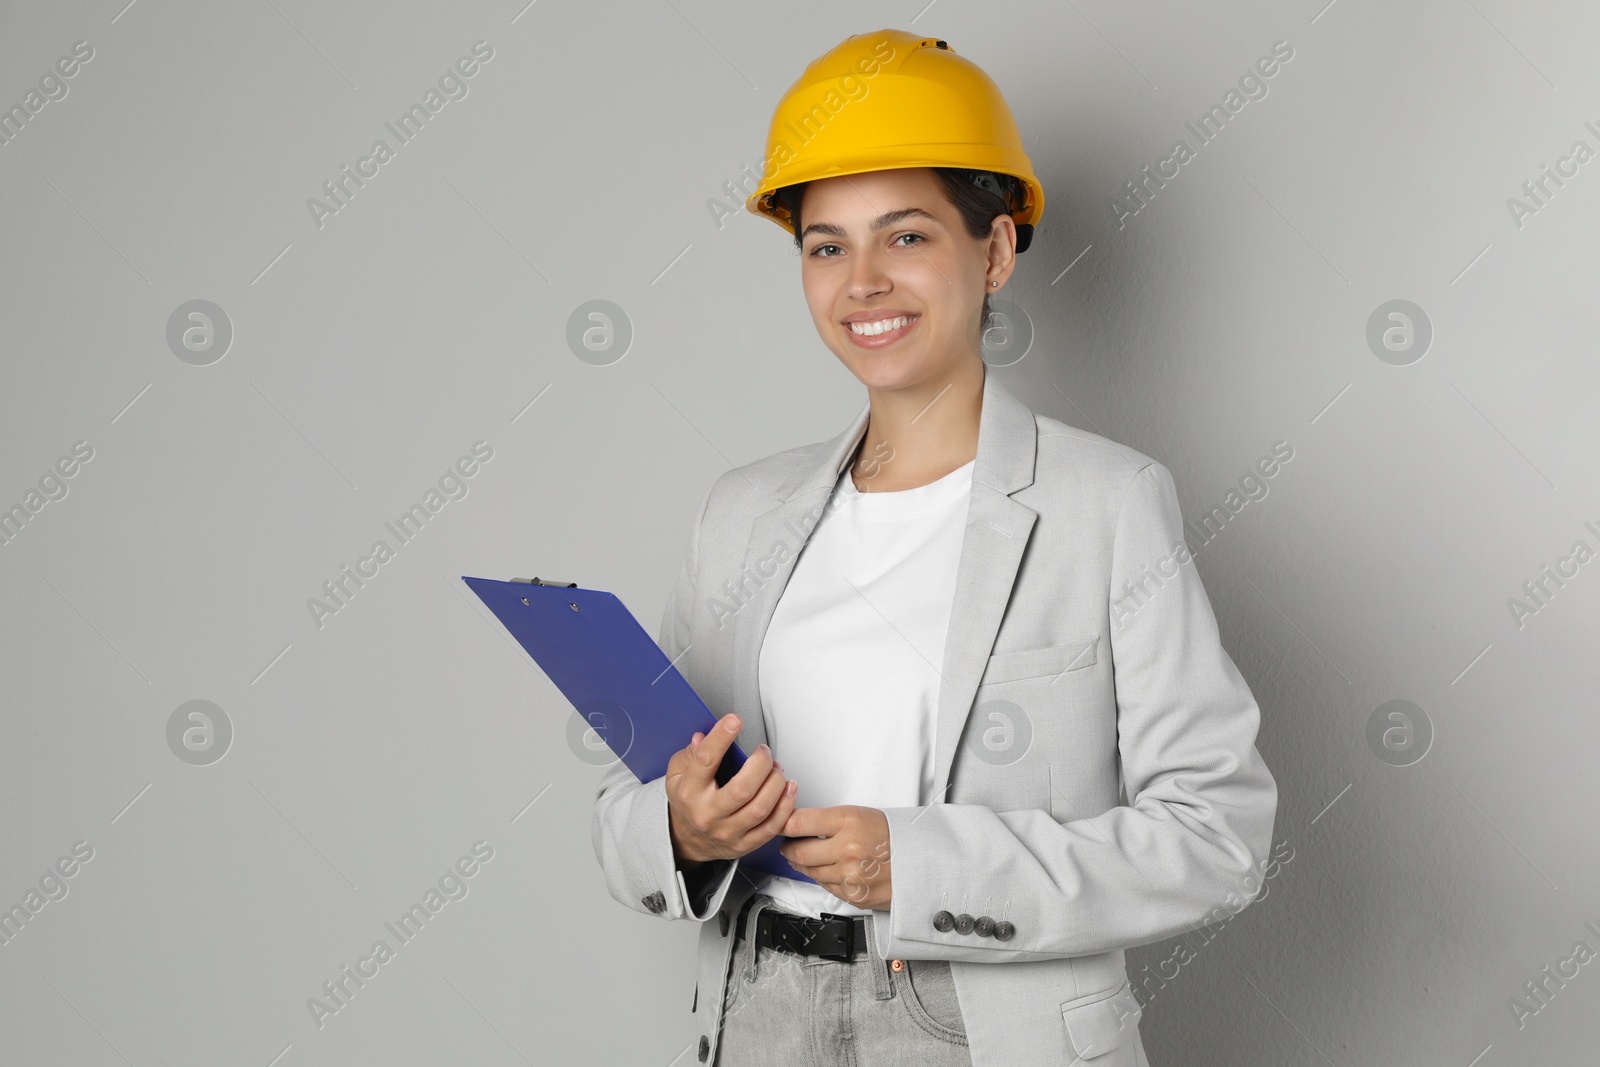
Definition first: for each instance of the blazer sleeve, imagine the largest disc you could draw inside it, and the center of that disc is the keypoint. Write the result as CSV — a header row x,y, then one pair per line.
x,y
1196,829
629,830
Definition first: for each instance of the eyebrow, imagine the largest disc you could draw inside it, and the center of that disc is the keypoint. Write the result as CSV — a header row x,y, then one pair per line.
x,y
887,219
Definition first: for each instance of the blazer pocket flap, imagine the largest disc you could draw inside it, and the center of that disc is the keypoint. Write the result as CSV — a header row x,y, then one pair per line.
x,y
1035,662
1101,1021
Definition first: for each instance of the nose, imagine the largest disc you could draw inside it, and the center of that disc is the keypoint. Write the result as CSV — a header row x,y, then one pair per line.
x,y
868,278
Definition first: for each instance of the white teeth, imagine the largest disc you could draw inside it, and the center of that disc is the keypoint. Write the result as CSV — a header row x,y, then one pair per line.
x,y
871,329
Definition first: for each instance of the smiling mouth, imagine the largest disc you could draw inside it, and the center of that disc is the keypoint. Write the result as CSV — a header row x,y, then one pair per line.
x,y
881,332
872,329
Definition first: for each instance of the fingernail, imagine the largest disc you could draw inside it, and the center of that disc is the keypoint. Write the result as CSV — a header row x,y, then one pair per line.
x,y
765,750
730,724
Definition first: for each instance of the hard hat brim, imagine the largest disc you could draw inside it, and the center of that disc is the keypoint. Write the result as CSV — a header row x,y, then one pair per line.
x,y
764,202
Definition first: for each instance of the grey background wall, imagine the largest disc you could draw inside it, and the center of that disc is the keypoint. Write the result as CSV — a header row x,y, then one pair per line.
x,y
348,359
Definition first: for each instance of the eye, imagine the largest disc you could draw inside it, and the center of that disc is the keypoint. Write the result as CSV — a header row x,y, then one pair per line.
x,y
819,248
918,236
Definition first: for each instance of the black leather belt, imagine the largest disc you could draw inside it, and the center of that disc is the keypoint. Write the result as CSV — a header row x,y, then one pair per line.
x,y
832,937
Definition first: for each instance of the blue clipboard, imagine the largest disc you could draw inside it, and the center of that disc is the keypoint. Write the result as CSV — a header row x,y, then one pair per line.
x,y
620,681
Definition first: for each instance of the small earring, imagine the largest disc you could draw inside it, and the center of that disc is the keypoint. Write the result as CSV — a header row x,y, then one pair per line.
x,y
994,283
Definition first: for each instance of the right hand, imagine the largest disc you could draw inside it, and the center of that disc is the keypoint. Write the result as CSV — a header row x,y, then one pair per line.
x,y
711,822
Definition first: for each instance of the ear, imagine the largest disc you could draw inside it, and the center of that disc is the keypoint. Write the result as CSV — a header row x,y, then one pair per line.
x,y
1004,241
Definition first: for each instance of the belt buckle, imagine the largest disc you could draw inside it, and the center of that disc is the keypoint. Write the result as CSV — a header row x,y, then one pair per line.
x,y
849,939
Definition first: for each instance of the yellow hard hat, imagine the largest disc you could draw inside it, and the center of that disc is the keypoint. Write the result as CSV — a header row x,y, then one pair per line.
x,y
889,100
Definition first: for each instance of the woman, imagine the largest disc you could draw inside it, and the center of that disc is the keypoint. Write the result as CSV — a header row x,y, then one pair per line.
x,y
991,636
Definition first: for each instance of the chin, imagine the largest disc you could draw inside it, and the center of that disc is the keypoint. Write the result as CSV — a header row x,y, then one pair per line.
x,y
879,371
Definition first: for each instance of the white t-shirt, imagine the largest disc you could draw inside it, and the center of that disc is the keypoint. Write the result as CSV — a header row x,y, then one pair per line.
x,y
850,666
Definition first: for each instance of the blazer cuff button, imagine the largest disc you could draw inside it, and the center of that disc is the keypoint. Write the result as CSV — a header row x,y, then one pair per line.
x,y
964,923
944,922
984,926
1003,931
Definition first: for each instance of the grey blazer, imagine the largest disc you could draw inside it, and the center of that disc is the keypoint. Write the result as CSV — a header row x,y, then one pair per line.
x,y
1098,785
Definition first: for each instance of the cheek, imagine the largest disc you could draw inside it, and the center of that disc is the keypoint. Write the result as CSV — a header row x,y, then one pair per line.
x,y
822,308
820,288
932,283
819,298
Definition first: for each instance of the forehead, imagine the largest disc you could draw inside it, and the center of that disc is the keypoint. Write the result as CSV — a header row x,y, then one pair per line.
x,y
855,199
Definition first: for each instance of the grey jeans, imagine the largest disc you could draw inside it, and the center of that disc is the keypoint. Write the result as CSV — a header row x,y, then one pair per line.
x,y
783,1010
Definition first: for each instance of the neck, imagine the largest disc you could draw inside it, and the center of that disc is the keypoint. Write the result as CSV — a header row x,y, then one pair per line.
x,y
922,432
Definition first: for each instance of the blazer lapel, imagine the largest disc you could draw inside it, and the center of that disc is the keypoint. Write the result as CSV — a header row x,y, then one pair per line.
x,y
997,531
776,538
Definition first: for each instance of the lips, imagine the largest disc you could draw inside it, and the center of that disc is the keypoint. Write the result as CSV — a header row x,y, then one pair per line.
x,y
876,314
888,337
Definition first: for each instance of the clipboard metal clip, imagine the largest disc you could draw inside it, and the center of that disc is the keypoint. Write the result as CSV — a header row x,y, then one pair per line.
x,y
541,581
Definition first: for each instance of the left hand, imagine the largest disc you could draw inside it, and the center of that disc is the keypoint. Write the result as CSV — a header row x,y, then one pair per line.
x,y
846,849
